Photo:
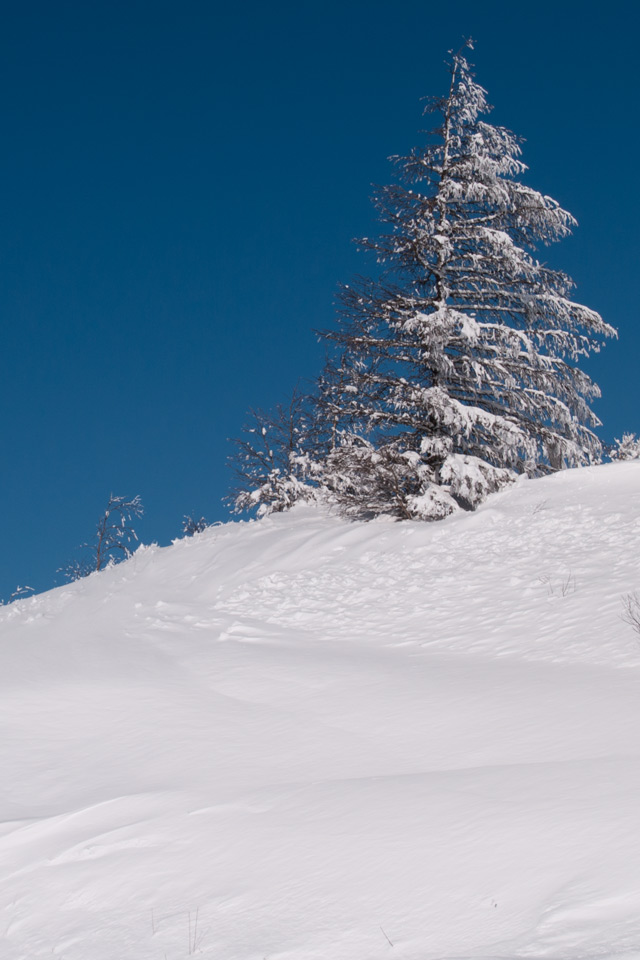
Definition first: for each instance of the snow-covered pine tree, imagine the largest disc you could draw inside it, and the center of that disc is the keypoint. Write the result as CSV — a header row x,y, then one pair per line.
x,y
462,356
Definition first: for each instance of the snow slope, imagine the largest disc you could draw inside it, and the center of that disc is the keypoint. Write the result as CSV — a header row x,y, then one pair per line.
x,y
304,738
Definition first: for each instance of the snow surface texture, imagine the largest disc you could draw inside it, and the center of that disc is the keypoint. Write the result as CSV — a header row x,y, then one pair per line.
x,y
308,739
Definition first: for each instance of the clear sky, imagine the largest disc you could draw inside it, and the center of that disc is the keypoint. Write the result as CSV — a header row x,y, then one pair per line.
x,y
179,187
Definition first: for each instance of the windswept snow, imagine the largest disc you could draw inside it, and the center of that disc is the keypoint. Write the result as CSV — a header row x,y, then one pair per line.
x,y
307,739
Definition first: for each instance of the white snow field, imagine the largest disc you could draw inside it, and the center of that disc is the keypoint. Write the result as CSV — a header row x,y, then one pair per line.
x,y
309,739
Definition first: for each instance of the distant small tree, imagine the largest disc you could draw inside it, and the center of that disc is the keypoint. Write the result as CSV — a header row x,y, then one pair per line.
x,y
192,525
114,538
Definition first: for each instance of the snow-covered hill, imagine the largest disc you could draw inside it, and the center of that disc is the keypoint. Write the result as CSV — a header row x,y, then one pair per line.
x,y
305,739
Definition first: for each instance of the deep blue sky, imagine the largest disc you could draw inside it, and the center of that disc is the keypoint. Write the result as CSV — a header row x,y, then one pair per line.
x,y
179,186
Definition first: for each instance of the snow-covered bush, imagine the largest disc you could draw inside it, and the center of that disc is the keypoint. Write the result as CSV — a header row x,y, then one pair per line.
x,y
626,449
368,481
277,493
470,480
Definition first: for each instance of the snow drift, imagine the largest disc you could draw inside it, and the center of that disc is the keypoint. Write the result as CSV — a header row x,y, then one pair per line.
x,y
305,738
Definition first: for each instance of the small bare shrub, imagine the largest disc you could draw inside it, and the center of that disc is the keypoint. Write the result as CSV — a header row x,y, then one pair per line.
x,y
560,587
18,594
115,536
631,612
191,525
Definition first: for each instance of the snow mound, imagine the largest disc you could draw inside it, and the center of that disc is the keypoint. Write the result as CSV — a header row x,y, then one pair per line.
x,y
304,738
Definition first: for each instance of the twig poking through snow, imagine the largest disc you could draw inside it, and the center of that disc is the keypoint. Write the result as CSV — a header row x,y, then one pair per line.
x,y
386,938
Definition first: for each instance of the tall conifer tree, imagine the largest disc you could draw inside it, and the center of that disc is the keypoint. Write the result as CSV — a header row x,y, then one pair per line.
x,y
459,364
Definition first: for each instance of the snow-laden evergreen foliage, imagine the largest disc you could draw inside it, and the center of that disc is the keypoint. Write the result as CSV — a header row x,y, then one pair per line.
x,y
458,366
626,449
272,460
